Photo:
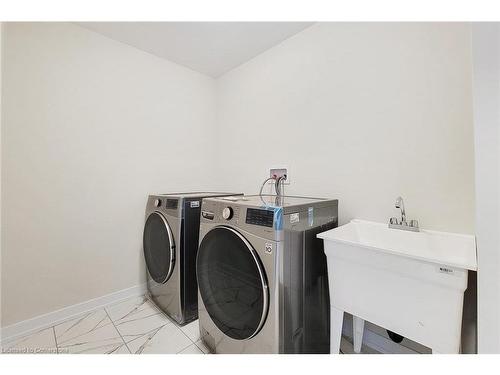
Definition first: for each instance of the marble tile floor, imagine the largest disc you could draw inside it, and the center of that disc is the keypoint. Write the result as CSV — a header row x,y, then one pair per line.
x,y
134,326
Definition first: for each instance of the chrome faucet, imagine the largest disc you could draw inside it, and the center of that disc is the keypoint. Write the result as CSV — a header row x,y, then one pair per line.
x,y
401,205
394,223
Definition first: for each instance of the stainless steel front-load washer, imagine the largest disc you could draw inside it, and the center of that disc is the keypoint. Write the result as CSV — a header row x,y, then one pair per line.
x,y
262,274
170,243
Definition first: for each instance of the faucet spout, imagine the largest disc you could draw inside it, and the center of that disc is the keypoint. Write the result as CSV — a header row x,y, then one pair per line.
x,y
401,205
394,223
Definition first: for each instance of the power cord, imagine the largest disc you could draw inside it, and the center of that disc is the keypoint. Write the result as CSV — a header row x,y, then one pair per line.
x,y
279,186
264,184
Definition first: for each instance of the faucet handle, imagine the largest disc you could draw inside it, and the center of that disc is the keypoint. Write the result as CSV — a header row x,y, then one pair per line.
x,y
394,221
414,223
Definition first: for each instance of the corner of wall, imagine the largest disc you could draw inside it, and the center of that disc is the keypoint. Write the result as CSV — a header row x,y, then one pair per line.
x,y
1,115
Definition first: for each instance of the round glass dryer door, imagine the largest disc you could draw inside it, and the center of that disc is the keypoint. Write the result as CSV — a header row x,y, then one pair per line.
x,y
159,248
232,283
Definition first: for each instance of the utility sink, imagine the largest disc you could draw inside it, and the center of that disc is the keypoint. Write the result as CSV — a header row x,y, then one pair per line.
x,y
411,283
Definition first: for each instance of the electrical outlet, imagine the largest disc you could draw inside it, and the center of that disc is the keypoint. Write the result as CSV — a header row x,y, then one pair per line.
x,y
279,172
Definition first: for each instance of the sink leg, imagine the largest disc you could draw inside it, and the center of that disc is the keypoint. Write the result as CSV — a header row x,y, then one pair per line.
x,y
358,327
336,321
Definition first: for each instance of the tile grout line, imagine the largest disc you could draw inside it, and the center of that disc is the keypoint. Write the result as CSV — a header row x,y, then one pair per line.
x,y
186,346
189,338
159,310
55,338
199,347
168,317
174,324
154,307
58,322
170,321
12,342
199,338
130,352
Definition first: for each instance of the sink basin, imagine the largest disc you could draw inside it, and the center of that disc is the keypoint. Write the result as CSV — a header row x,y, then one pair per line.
x,y
455,250
411,283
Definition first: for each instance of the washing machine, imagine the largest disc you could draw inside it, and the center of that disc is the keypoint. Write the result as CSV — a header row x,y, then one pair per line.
x,y
170,244
262,274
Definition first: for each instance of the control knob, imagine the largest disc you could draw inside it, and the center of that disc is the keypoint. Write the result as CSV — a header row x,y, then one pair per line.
x,y
227,213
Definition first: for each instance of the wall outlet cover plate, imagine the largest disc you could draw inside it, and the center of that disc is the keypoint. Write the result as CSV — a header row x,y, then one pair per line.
x,y
279,172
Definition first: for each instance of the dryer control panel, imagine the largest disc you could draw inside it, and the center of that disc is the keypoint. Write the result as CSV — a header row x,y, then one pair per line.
x,y
260,217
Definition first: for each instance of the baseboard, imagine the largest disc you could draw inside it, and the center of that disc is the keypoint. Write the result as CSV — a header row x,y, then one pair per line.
x,y
37,323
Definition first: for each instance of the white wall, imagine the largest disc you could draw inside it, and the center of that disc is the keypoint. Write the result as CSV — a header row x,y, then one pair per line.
x,y
359,112
486,63
90,128
1,49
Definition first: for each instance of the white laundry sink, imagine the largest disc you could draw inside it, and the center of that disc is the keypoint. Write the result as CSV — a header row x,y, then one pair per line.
x,y
411,283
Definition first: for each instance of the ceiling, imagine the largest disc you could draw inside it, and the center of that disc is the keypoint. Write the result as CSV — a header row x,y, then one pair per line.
x,y
212,48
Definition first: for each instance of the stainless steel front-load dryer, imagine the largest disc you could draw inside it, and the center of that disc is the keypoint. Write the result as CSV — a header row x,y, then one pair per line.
x,y
262,274
170,243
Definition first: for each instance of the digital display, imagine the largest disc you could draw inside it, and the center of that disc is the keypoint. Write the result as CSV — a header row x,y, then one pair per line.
x,y
263,218
171,203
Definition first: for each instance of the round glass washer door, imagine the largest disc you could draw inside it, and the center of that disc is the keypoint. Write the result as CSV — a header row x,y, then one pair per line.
x,y
159,247
232,283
